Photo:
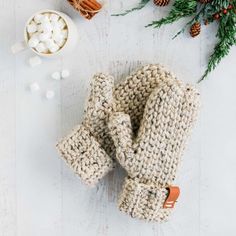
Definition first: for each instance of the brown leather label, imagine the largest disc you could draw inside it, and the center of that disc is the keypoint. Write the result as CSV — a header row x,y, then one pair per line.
x,y
172,197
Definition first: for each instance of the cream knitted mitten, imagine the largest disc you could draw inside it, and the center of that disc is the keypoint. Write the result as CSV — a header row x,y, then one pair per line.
x,y
82,148
152,158
89,150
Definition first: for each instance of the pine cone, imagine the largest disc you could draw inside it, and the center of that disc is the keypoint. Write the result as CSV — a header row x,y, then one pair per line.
x,y
195,29
161,3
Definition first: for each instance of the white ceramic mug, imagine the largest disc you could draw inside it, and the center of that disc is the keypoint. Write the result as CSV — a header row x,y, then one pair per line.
x,y
70,43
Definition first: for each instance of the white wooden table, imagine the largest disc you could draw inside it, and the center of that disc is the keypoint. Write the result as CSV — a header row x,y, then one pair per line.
x,y
39,195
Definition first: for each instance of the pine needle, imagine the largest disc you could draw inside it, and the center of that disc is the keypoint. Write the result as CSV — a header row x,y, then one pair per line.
x,y
142,4
227,39
180,9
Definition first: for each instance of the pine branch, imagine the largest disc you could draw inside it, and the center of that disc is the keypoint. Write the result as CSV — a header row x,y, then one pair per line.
x,y
142,4
181,8
194,19
227,39
222,11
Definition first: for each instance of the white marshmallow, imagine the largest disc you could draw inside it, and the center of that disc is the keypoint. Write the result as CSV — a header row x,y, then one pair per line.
x,y
46,27
35,61
49,43
31,28
54,23
65,73
39,28
34,87
44,19
56,75
33,42
41,48
44,36
56,28
18,47
34,36
50,94
62,23
49,33
54,48
54,17
37,18
57,38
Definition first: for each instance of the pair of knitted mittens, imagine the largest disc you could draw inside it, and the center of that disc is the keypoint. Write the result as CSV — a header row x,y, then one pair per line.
x,y
144,121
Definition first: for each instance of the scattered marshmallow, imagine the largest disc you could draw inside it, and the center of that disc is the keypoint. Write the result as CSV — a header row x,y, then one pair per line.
x,y
18,47
35,61
56,75
50,94
34,87
47,33
65,73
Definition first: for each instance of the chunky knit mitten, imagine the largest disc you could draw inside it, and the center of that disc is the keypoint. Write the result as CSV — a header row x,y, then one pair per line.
x,y
88,148
152,158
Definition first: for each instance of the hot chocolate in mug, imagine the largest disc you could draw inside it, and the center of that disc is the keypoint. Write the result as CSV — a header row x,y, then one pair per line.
x,y
48,33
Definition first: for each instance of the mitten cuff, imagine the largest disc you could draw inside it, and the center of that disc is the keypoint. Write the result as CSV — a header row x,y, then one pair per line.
x,y
144,201
84,155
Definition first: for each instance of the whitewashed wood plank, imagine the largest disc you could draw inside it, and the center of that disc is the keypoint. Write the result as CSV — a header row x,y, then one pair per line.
x,y
38,170
132,45
218,132
7,123
39,195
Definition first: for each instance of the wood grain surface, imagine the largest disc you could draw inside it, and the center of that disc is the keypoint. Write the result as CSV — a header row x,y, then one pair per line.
x,y
39,195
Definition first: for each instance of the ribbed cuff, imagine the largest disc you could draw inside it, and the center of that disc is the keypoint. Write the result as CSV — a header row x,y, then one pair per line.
x,y
85,156
143,201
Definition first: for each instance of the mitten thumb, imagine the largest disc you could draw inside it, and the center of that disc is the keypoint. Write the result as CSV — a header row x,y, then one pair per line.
x,y
100,99
121,132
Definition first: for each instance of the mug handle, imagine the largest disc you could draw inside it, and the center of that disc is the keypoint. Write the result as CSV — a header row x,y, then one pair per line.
x,y
18,47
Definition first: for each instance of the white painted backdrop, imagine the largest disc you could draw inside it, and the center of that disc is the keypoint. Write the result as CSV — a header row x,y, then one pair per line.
x,y
39,195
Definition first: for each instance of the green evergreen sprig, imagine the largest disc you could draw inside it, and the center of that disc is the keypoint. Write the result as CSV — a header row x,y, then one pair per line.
x,y
141,5
181,8
221,11
227,39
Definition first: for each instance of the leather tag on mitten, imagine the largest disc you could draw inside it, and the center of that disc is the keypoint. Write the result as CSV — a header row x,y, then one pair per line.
x,y
172,197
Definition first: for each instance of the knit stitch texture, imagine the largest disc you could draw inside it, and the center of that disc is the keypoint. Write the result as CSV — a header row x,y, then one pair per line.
x,y
89,149
152,158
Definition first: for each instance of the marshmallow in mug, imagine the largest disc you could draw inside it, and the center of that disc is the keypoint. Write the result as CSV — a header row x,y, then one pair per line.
x,y
47,33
